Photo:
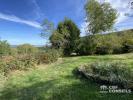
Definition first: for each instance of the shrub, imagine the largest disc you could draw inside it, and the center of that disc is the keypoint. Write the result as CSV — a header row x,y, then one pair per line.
x,y
49,56
14,51
4,48
86,46
25,61
21,62
115,73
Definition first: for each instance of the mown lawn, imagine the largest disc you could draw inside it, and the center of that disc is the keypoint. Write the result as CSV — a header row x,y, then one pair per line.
x,y
57,81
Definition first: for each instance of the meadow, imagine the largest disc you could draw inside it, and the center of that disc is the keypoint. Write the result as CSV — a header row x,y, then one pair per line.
x,y
56,81
52,71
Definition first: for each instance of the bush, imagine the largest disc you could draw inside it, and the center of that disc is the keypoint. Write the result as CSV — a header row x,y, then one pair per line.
x,y
4,48
86,46
24,57
49,56
115,73
25,61
14,51
21,62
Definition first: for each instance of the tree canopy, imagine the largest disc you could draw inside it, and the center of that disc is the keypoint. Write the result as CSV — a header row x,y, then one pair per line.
x,y
66,36
100,16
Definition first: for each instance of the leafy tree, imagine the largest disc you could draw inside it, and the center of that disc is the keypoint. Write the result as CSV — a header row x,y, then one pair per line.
x,y
100,17
57,40
66,36
47,29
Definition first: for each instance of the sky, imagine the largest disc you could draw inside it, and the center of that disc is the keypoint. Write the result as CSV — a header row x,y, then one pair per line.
x,y
20,20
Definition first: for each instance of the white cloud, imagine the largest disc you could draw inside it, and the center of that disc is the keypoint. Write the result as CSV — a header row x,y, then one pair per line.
x,y
19,20
123,9
83,29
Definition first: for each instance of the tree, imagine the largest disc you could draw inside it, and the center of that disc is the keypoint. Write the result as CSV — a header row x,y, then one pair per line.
x,y
57,40
100,17
66,36
47,29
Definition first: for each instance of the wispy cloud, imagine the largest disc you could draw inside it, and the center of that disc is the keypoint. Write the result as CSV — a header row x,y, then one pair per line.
x,y
14,18
37,9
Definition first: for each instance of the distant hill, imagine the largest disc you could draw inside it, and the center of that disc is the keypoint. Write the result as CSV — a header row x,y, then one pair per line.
x,y
119,33
14,46
123,32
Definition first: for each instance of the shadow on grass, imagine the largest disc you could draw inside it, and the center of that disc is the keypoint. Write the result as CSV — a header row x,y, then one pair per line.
x,y
49,91
33,92
55,90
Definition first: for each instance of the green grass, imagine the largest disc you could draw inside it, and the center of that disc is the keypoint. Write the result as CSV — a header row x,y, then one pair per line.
x,y
57,82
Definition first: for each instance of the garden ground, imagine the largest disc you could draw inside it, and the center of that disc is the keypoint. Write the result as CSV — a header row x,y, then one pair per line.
x,y
57,82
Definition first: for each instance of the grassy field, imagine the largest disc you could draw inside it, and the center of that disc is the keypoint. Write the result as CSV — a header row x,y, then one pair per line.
x,y
57,82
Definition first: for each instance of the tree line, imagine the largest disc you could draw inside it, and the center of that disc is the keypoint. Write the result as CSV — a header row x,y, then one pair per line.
x,y
100,17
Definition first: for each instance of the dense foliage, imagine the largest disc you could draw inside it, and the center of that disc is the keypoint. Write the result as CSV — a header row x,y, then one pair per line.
x,y
66,36
21,62
24,57
100,16
49,56
4,48
113,43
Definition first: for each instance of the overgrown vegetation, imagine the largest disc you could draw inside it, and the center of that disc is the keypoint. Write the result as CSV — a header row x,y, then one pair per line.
x,y
57,82
112,43
4,48
49,56
116,73
24,57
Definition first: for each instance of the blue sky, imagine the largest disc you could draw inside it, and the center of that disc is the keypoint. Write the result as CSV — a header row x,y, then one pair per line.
x,y
20,19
